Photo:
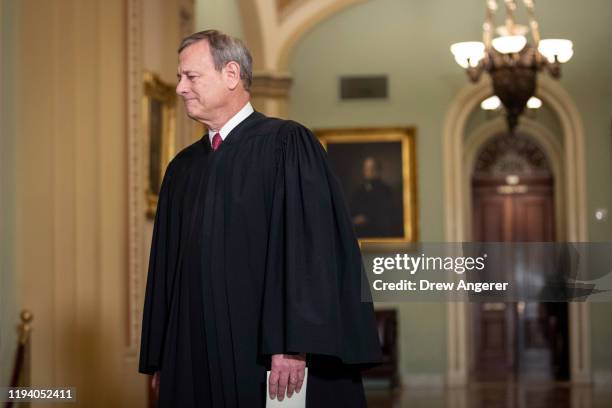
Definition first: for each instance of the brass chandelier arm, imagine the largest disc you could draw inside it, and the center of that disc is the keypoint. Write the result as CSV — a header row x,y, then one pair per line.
x,y
474,73
510,8
487,26
553,68
533,23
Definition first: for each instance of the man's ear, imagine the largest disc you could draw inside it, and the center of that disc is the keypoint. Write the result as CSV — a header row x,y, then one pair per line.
x,y
231,74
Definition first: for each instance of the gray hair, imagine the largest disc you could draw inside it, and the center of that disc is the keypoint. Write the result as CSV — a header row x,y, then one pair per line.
x,y
224,48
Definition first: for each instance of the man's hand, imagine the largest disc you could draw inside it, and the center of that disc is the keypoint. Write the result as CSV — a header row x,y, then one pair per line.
x,y
287,373
155,384
360,219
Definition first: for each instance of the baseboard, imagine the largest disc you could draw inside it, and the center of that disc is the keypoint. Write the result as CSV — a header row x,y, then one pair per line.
x,y
423,380
602,378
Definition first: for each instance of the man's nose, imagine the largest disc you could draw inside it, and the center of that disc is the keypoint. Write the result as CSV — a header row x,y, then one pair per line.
x,y
180,87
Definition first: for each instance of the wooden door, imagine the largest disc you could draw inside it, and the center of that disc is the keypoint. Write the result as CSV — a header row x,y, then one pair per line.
x,y
493,324
526,340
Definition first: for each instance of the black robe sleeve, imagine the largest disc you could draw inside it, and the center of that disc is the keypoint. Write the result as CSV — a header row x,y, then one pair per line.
x,y
312,298
162,260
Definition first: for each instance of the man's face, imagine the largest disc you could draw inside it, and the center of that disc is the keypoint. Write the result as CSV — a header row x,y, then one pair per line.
x,y
370,169
203,88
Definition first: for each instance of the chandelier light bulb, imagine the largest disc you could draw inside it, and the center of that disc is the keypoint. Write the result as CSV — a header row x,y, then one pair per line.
x,y
509,44
534,103
512,179
472,51
490,104
562,49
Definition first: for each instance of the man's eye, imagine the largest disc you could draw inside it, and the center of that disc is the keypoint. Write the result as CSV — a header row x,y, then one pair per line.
x,y
191,77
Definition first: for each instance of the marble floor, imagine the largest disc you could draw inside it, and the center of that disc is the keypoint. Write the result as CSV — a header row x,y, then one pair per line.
x,y
494,395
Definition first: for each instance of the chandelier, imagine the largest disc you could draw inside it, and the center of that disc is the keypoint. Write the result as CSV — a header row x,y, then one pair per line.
x,y
511,61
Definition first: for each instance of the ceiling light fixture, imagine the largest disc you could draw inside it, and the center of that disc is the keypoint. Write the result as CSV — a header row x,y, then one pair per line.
x,y
511,61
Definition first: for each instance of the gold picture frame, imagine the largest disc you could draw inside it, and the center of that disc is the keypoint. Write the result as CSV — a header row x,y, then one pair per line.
x,y
159,130
384,162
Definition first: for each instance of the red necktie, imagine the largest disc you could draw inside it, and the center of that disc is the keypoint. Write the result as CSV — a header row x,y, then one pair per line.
x,y
216,142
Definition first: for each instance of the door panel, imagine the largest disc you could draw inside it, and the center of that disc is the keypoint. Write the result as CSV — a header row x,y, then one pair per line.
x,y
526,340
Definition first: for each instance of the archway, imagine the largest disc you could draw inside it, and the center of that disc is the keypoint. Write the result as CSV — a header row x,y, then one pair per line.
x,y
571,163
273,34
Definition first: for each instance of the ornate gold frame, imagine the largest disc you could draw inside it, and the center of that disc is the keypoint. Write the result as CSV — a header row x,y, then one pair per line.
x,y
157,90
407,138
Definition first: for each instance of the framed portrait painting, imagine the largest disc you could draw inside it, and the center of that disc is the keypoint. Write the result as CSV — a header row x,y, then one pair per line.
x,y
377,170
158,114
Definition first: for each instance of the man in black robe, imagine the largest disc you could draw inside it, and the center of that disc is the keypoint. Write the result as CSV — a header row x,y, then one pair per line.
x,y
254,264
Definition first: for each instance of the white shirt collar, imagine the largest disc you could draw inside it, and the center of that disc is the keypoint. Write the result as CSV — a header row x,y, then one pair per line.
x,y
233,122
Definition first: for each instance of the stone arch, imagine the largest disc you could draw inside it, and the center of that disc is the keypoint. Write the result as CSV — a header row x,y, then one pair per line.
x,y
543,136
573,217
272,34
303,20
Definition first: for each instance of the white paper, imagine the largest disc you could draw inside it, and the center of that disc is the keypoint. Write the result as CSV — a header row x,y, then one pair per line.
x,y
297,400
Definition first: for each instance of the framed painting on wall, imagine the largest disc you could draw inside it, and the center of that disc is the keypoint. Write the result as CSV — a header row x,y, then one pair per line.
x,y
158,114
377,170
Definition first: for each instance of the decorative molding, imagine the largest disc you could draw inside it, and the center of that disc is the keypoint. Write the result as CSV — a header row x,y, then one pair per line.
x,y
286,7
517,153
136,205
271,85
553,93
137,224
457,349
270,93
456,217
547,141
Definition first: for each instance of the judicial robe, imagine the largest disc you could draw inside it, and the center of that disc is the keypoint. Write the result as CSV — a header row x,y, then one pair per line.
x,y
254,254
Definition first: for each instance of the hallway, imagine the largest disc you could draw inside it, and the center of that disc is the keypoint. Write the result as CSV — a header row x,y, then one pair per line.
x,y
494,395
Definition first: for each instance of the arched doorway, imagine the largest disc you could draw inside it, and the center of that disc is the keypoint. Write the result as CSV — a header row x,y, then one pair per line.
x,y
569,160
512,186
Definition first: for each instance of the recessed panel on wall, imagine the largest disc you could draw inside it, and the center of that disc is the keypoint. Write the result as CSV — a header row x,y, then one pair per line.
x,y
364,87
